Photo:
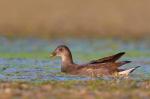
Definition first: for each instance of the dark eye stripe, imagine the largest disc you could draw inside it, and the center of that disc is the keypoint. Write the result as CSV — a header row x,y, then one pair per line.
x,y
60,49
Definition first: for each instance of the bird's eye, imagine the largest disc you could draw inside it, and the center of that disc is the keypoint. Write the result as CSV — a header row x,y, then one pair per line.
x,y
60,49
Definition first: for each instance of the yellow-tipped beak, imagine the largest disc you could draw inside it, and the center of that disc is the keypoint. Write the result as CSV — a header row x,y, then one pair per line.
x,y
53,54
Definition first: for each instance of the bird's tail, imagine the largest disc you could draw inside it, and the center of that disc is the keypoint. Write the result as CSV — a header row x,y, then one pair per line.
x,y
122,63
128,71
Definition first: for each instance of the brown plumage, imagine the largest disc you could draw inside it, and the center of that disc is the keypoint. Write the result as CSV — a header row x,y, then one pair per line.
x,y
112,58
104,66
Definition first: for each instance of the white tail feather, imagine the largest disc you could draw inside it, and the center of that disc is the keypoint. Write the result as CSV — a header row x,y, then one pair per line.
x,y
127,71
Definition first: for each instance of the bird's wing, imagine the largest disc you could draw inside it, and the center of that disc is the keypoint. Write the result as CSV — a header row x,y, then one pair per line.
x,y
108,65
112,58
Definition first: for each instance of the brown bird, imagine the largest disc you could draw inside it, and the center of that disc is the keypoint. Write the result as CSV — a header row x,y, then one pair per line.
x,y
104,66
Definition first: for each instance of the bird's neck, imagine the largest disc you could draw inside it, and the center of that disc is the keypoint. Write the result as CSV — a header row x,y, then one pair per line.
x,y
67,63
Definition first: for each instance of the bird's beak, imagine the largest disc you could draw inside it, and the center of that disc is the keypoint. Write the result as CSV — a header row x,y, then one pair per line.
x,y
52,54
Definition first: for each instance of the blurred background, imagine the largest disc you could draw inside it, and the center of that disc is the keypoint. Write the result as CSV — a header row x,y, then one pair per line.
x,y
74,18
92,29
31,29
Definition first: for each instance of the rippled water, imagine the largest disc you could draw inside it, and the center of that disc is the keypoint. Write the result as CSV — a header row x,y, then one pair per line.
x,y
28,60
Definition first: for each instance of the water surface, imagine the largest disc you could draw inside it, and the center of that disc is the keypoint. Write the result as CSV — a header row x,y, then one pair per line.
x,y
28,59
